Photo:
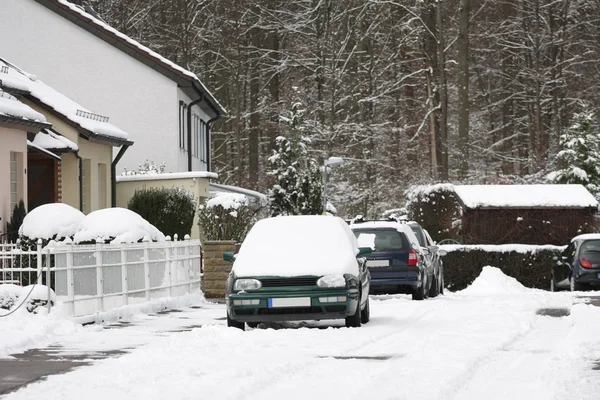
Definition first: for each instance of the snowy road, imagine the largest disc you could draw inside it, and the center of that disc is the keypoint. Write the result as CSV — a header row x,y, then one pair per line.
x,y
494,340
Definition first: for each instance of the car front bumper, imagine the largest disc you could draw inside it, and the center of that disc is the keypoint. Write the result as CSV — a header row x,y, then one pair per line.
x,y
267,311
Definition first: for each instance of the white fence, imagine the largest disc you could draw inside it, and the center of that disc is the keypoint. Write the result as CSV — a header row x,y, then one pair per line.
x,y
98,278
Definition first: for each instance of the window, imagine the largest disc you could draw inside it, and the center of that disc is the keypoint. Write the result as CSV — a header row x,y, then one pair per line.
x,y
101,186
182,144
197,128
203,142
85,185
14,180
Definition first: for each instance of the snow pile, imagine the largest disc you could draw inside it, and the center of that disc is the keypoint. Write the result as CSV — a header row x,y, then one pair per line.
x,y
117,225
27,297
298,245
493,281
51,221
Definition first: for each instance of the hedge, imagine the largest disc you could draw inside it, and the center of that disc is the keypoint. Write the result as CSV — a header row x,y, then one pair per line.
x,y
531,265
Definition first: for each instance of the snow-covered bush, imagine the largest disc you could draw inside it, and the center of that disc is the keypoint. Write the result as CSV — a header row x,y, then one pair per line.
x,y
54,221
147,168
579,157
116,225
436,208
170,210
226,216
34,296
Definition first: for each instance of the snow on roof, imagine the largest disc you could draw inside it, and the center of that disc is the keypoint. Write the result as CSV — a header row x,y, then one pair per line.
x,y
298,245
168,175
525,196
10,106
587,236
51,220
42,150
15,78
109,29
400,227
49,140
119,225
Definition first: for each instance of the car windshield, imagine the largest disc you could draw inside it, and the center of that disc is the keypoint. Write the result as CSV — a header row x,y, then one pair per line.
x,y
381,240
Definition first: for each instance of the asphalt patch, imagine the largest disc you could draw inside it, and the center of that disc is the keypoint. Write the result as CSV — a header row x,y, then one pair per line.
x,y
596,366
371,358
554,312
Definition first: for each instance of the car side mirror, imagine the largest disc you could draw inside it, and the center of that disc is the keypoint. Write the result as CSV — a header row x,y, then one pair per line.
x,y
442,252
364,251
425,250
229,256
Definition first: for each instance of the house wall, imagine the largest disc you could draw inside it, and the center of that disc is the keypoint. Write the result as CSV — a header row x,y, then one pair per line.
x,y
13,140
102,78
197,186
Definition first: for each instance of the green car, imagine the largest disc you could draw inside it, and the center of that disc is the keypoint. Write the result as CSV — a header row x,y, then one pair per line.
x,y
297,268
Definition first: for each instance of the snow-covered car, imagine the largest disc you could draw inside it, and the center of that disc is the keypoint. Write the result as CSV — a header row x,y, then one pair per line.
x,y
296,268
578,267
398,263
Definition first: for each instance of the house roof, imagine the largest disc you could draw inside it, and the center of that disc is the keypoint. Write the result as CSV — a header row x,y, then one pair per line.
x,y
12,111
51,140
102,30
92,126
39,149
525,196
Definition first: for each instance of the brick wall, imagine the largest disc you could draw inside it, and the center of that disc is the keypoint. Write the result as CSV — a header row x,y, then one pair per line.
x,y
216,270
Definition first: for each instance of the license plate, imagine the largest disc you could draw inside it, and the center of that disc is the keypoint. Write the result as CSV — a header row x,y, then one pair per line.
x,y
289,302
378,263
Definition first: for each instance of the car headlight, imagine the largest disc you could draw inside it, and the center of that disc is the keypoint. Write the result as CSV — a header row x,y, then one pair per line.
x,y
247,284
331,281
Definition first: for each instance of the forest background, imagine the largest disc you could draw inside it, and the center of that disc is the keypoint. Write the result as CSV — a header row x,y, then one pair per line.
x,y
407,91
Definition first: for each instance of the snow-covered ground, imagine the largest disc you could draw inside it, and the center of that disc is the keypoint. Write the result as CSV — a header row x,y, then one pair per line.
x,y
488,341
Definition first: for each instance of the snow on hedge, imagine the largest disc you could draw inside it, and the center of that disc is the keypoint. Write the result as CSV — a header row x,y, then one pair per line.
x,y
119,225
56,220
501,248
227,200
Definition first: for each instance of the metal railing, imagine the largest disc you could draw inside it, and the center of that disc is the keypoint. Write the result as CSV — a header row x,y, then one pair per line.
x,y
91,279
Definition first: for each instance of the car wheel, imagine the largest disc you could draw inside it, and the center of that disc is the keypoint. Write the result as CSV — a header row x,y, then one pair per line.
x,y
575,286
353,321
253,324
365,315
434,289
419,292
442,284
235,324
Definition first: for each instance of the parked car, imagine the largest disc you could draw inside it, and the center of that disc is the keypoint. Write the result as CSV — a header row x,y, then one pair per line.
x,y
578,267
433,255
398,262
298,268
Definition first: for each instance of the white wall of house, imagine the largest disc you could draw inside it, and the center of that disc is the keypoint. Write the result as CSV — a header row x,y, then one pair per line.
x,y
139,100
13,141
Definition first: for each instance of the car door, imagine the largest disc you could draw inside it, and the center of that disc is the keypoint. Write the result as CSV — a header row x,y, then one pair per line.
x,y
434,255
562,268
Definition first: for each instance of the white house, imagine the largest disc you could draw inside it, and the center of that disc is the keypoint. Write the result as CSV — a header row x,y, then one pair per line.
x,y
165,109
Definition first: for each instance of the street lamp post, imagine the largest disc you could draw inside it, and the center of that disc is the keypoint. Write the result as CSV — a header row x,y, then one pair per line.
x,y
330,162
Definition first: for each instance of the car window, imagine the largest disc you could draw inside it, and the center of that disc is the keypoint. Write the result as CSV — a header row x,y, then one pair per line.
x,y
419,234
382,240
590,246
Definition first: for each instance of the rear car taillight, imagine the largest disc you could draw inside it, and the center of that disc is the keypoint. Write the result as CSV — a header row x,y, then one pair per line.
x,y
585,263
412,257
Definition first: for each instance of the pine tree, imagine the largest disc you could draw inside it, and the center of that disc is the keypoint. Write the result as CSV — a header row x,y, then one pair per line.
x,y
18,215
579,156
298,180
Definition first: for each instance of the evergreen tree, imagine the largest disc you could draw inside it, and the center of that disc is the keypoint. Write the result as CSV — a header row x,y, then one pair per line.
x,y
18,215
298,181
579,156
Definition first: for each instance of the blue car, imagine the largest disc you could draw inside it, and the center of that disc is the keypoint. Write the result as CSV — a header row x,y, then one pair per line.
x,y
397,263
578,267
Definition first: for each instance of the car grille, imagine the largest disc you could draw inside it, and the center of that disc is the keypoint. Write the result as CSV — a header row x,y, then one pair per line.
x,y
301,310
279,282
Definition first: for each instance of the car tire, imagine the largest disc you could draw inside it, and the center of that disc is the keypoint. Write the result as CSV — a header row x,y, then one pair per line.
x,y
253,324
231,323
353,321
442,284
575,286
434,290
365,315
419,292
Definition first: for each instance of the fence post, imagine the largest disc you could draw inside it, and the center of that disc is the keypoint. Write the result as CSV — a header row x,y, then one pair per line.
x,y
124,285
99,276
146,241
70,283
48,279
188,262
168,264
39,262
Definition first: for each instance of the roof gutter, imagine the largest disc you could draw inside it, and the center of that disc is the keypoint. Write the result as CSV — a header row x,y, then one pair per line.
x,y
113,174
80,180
189,128
209,141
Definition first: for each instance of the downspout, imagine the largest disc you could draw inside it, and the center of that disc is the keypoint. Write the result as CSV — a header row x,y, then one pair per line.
x,y
189,129
208,141
80,180
113,175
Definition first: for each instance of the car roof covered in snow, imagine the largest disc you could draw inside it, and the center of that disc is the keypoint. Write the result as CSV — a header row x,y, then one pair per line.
x,y
398,226
587,236
525,196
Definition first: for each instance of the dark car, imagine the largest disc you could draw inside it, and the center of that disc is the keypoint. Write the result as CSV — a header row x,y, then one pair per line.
x,y
433,255
298,268
397,263
578,267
